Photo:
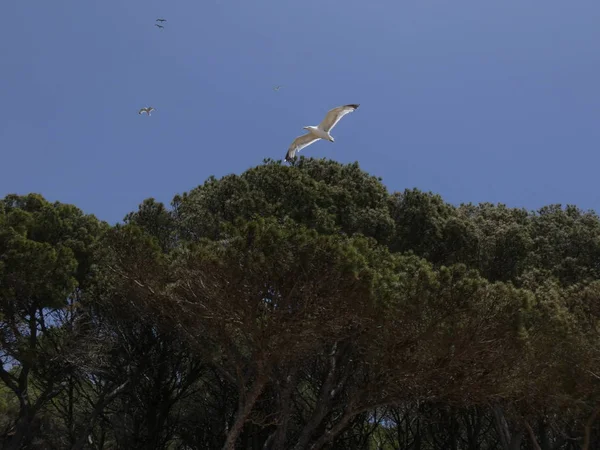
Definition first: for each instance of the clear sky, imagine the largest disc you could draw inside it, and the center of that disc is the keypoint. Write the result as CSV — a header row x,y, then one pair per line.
x,y
476,100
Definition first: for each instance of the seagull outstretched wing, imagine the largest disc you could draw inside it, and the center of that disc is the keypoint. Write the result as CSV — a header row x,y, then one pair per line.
x,y
335,115
146,110
299,143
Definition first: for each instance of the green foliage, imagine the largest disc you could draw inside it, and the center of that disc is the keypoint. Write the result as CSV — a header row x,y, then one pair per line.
x,y
298,307
45,252
323,195
45,257
156,220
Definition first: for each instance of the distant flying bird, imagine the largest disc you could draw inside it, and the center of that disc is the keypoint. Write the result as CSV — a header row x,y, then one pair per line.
x,y
321,131
147,110
161,20
157,25
276,88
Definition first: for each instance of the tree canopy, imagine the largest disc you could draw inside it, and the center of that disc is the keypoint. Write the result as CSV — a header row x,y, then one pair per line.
x,y
299,307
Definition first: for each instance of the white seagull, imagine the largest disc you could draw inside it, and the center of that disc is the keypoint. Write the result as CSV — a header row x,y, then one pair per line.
x,y
147,110
321,131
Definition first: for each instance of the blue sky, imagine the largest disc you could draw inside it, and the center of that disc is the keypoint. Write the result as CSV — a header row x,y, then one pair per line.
x,y
476,100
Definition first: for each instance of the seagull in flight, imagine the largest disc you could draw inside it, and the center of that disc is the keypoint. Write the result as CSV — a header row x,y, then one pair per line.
x,y
147,110
276,88
321,131
161,20
157,25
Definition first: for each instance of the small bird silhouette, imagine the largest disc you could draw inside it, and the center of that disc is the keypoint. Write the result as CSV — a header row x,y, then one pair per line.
x,y
276,88
147,110
161,20
157,25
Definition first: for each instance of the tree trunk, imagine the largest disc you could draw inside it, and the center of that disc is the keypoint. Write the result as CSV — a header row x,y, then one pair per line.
x,y
21,432
245,408
534,441
515,442
323,405
27,415
277,440
588,428
509,439
328,436
102,403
